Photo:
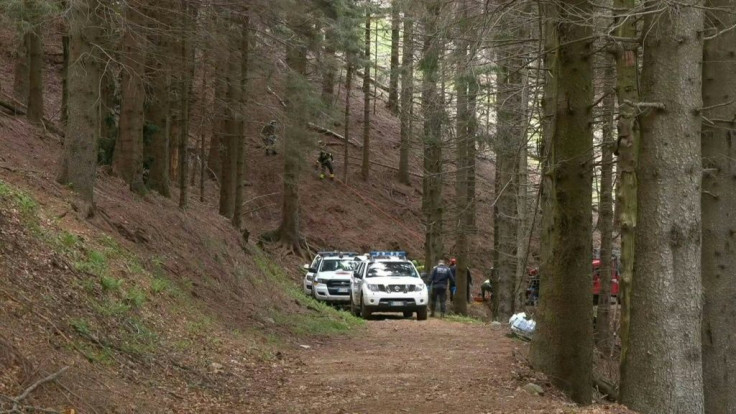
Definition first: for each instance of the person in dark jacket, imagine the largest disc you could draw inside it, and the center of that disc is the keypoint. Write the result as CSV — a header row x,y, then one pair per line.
x,y
440,278
268,135
325,161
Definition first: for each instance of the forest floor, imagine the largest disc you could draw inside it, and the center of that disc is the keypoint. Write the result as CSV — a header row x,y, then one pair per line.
x,y
396,365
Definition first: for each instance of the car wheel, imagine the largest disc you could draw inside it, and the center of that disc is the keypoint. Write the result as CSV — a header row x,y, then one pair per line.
x,y
408,314
422,314
365,313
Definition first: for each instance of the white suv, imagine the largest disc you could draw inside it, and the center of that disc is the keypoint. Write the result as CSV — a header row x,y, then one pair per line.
x,y
331,276
317,262
388,285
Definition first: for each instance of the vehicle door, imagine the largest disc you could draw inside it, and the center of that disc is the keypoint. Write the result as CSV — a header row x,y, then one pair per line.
x,y
356,282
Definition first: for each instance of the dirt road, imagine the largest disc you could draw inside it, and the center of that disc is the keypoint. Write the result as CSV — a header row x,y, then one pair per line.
x,y
401,365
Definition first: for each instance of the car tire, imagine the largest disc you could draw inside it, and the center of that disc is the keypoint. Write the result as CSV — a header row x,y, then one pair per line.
x,y
408,314
365,313
422,314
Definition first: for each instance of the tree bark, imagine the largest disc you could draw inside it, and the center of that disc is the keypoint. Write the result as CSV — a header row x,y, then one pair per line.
x,y
186,52
627,149
505,218
393,83
233,127
329,61
605,211
127,159
563,340
461,57
35,71
348,91
157,111
21,68
298,94
719,205
473,87
432,109
407,96
65,79
240,163
366,165
663,366
79,159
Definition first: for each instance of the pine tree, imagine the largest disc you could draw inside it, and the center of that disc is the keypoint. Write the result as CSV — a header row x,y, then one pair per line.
x,y
79,159
663,365
563,339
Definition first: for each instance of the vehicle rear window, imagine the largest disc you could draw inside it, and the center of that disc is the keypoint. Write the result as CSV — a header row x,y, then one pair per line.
x,y
384,269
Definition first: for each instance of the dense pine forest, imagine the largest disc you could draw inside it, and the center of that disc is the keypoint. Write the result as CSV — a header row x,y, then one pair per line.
x,y
168,167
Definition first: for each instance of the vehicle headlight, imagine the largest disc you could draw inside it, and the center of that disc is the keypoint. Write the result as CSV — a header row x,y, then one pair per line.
x,y
419,287
374,288
310,278
320,281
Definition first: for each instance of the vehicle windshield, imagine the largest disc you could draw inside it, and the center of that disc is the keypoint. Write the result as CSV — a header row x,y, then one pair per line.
x,y
389,269
335,265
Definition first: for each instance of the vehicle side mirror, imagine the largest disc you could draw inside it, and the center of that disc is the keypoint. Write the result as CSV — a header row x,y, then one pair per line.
x,y
312,270
357,275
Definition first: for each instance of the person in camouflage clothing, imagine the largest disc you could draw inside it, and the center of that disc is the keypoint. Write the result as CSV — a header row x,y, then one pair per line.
x,y
268,135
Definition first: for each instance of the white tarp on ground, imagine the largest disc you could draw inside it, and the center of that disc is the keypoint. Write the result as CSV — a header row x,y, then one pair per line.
x,y
521,326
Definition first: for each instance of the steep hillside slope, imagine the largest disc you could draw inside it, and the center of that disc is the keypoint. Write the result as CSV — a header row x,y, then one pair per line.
x,y
155,309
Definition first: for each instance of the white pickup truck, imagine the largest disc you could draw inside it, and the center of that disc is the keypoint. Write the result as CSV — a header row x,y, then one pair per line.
x,y
388,284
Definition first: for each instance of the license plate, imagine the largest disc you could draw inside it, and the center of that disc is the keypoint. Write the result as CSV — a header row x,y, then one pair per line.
x,y
397,303
342,290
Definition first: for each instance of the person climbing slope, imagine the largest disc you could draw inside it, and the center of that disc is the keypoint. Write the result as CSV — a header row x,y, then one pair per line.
x,y
268,135
325,161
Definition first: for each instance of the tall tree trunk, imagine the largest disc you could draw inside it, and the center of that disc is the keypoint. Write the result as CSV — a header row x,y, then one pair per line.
x,y
432,109
393,83
157,110
329,62
127,159
663,366
233,127
407,96
186,52
79,159
460,305
348,91
563,340
298,94
507,143
605,211
218,141
240,164
366,166
473,87
35,71
65,78
719,205
627,149
21,68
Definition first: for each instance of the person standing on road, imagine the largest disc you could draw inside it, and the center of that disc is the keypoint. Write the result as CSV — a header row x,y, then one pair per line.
x,y
440,278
